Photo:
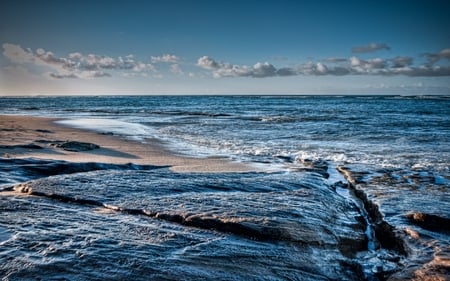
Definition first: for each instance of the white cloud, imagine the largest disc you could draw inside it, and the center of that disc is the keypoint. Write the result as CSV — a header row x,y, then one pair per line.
x,y
166,58
207,63
78,65
93,74
335,67
366,66
140,67
219,69
75,65
176,69
17,54
372,47
321,68
49,59
263,70
75,56
376,63
40,51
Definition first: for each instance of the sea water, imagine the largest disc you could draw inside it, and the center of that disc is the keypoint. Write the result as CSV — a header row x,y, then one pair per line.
x,y
293,222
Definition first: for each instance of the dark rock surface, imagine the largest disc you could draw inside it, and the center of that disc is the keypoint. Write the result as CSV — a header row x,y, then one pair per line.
x,y
289,224
410,210
74,146
430,222
77,146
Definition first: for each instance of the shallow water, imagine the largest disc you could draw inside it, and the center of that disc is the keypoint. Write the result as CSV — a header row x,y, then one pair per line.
x,y
96,221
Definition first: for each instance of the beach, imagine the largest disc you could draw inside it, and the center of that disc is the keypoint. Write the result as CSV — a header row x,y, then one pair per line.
x,y
224,188
37,137
225,140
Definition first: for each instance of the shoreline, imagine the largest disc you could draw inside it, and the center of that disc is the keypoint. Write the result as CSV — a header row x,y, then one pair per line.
x,y
40,137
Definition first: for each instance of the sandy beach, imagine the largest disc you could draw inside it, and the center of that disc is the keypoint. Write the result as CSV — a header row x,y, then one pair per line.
x,y
41,138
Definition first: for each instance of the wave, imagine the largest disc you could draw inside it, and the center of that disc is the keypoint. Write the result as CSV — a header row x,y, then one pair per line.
x,y
105,125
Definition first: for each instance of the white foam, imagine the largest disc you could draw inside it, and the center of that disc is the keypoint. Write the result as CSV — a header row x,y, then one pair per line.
x,y
132,130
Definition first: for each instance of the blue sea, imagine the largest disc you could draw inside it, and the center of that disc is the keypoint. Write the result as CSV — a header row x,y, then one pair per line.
x,y
386,214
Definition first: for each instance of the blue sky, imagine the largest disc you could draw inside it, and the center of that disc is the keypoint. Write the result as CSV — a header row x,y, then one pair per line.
x,y
224,47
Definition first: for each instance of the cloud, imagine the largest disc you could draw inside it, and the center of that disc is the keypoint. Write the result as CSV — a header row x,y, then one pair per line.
x,y
366,66
166,58
207,63
91,66
263,70
17,54
372,47
83,75
94,74
62,76
75,65
259,70
424,71
287,71
75,56
176,69
399,62
336,60
435,57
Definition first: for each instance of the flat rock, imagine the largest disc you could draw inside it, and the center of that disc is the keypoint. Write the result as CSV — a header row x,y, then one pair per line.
x,y
77,146
289,225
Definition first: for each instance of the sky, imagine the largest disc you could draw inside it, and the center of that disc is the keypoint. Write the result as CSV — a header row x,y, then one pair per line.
x,y
328,47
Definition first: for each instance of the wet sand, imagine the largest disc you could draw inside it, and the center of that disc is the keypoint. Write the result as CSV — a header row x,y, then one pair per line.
x,y
38,137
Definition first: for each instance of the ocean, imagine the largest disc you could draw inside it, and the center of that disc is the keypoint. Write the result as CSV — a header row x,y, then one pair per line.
x,y
347,188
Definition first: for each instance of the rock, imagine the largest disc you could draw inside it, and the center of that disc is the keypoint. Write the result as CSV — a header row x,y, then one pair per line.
x,y
31,146
26,146
315,166
23,188
77,146
353,177
418,236
429,221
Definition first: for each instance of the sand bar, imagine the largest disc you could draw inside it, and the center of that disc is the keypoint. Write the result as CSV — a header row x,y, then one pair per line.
x,y
21,137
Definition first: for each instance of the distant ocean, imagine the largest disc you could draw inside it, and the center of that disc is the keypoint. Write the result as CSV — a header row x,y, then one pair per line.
x,y
297,220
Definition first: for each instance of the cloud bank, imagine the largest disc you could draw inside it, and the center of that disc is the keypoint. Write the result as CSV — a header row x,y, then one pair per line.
x,y
400,65
91,66
75,65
